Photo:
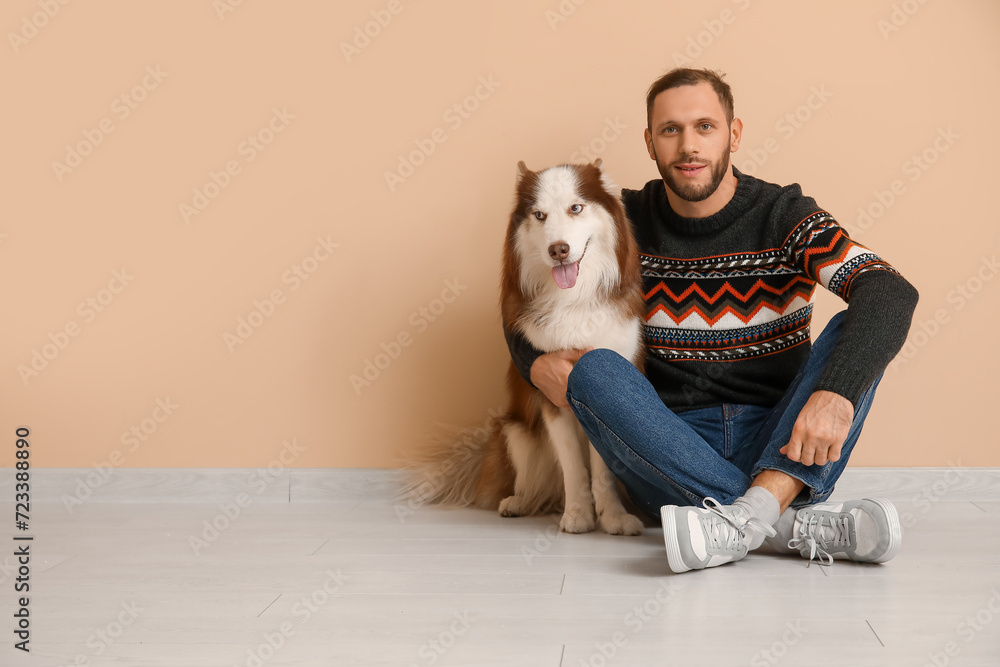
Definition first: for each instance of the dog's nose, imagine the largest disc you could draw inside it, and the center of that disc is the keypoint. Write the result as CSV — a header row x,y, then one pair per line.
x,y
559,251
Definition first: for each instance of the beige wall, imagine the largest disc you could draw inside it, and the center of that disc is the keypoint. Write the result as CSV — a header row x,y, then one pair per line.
x,y
884,85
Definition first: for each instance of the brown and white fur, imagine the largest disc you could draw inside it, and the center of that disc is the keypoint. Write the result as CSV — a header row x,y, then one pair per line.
x,y
570,281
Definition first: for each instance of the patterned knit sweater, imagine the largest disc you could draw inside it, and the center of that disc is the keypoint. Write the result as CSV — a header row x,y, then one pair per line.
x,y
729,298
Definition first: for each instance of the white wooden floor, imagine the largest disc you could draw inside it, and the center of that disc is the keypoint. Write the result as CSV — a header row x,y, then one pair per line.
x,y
350,583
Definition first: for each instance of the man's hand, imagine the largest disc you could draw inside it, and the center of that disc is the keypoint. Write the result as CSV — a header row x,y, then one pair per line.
x,y
820,429
550,374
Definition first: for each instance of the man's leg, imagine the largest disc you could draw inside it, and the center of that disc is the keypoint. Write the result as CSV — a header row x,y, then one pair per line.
x,y
663,461
793,483
864,530
657,455
782,486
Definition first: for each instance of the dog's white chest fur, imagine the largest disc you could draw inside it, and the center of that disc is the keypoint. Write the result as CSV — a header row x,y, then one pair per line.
x,y
580,325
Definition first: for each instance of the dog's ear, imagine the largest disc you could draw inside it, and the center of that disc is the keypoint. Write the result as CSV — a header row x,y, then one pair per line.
x,y
521,170
607,182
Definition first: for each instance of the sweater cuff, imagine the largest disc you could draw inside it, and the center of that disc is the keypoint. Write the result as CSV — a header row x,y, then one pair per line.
x,y
522,353
843,383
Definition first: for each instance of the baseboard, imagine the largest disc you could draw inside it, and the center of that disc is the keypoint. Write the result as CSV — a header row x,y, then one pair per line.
x,y
72,486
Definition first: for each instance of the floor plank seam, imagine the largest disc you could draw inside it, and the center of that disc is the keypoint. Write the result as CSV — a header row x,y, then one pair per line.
x,y
321,546
874,633
269,606
60,563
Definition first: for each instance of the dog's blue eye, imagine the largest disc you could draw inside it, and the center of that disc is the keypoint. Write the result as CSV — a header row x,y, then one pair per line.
x,y
539,215
576,208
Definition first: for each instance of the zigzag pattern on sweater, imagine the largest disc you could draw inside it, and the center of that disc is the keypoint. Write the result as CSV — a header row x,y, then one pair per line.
x,y
749,304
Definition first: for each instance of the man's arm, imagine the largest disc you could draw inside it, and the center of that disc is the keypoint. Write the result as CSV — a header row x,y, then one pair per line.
x,y
547,372
522,352
880,305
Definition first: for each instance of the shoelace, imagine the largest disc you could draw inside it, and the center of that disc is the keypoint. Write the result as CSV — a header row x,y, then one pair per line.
x,y
811,534
733,531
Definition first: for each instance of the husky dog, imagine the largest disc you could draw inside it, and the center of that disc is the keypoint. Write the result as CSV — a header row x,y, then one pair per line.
x,y
570,280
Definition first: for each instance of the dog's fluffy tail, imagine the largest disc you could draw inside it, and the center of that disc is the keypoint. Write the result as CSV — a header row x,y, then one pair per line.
x,y
470,468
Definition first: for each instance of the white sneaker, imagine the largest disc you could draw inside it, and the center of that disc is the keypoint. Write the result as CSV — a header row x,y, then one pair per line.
x,y
697,538
866,531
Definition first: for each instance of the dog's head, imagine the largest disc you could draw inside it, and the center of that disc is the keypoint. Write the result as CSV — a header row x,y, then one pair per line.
x,y
565,228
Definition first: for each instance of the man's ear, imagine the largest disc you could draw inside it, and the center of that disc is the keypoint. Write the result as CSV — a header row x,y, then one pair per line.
x,y
648,137
735,135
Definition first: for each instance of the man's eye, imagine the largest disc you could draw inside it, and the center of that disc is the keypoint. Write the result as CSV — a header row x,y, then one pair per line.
x,y
539,215
576,208
706,126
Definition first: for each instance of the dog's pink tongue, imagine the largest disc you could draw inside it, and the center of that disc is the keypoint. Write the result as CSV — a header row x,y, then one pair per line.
x,y
565,274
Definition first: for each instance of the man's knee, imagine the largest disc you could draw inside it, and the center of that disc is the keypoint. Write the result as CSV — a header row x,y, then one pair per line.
x,y
593,369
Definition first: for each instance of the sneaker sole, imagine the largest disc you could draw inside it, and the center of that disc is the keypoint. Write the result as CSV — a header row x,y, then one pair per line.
x,y
895,530
674,559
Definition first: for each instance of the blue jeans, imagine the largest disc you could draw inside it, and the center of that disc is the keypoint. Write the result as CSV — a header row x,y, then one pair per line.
x,y
668,458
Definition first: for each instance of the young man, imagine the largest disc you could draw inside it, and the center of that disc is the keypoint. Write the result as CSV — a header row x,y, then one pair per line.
x,y
741,427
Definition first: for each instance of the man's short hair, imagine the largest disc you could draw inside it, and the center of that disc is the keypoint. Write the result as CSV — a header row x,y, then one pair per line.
x,y
685,76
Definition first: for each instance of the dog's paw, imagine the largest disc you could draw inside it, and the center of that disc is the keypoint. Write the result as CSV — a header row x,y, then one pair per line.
x,y
511,506
621,524
577,520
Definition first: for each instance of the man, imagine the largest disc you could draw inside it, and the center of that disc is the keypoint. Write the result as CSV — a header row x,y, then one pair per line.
x,y
741,426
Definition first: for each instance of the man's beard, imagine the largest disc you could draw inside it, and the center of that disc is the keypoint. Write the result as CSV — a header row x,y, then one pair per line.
x,y
693,191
